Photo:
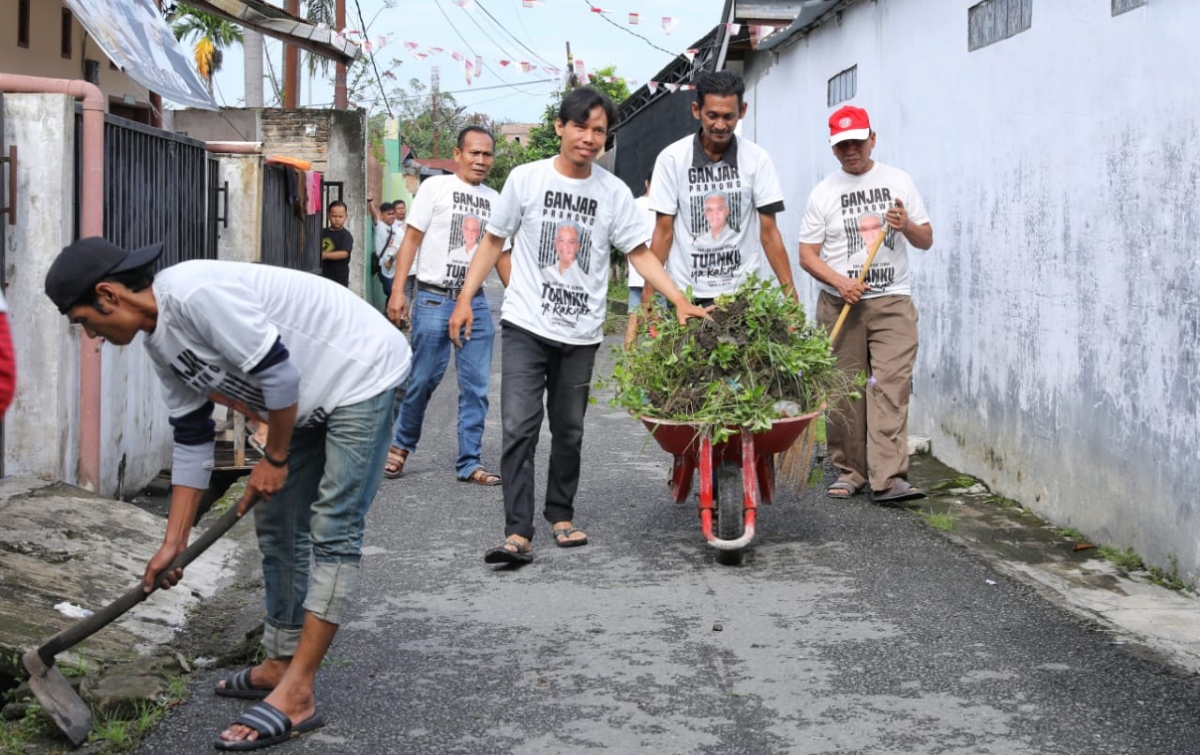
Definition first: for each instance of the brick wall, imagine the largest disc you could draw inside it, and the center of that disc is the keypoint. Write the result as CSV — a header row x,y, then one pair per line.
x,y
297,133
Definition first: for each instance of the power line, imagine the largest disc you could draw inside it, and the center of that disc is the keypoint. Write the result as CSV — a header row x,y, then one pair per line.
x,y
438,5
509,33
627,31
462,91
378,79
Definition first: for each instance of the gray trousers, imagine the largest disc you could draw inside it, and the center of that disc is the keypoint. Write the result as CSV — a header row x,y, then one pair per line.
x,y
539,376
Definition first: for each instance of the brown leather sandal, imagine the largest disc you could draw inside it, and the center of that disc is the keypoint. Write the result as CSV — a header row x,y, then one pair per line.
x,y
395,463
482,477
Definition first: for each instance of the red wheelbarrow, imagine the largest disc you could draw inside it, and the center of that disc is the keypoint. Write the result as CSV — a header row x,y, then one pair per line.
x,y
734,475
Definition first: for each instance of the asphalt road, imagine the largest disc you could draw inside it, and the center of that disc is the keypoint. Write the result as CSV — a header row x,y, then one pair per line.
x,y
849,629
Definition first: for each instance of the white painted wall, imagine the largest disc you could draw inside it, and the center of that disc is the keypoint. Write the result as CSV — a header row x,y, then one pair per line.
x,y
241,241
42,425
1060,304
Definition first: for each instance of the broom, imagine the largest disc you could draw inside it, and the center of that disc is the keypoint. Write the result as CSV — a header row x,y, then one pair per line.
x,y
793,464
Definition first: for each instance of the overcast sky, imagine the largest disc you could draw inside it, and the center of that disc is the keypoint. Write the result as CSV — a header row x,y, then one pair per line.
x,y
535,35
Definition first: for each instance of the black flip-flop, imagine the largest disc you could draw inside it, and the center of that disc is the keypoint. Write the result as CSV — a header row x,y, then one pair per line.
x,y
273,727
502,555
239,686
901,490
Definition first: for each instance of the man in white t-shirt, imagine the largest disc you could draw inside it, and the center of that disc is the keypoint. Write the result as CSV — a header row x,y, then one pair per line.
x,y
387,242
846,212
717,195
316,363
444,227
551,329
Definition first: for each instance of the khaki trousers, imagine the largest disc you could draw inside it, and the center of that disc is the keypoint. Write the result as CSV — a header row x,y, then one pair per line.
x,y
879,339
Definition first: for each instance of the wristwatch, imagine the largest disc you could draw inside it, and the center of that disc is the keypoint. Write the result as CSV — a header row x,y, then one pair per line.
x,y
275,462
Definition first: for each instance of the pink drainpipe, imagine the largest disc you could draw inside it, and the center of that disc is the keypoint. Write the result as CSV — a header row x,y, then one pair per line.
x,y
91,223
234,148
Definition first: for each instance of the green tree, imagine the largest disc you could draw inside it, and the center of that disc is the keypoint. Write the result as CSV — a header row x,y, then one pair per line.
x,y
213,35
509,154
543,139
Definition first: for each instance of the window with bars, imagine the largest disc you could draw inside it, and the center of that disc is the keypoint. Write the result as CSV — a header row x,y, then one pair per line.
x,y
843,86
991,21
1124,6
23,23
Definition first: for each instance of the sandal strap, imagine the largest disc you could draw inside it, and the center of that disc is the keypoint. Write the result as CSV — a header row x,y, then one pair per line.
x,y
266,719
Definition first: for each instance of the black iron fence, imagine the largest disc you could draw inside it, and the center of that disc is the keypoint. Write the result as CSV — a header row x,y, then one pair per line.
x,y
156,188
290,236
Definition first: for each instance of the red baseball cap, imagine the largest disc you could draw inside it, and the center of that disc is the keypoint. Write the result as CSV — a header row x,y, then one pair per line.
x,y
849,122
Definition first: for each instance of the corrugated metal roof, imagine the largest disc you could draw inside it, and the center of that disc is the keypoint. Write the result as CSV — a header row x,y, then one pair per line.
x,y
278,23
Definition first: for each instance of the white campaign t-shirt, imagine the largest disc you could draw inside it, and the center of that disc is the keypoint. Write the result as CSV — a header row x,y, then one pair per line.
x,y
550,217
217,320
843,214
445,210
643,202
715,250
386,247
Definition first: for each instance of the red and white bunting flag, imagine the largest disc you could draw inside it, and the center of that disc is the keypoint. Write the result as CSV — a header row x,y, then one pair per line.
x,y
687,87
669,24
690,54
632,83
672,88
456,55
478,66
652,86
338,39
504,63
434,50
367,46
579,71
524,66
634,19
599,10
612,79
465,5
467,71
551,70
410,45
418,55
733,29
351,32
527,3
380,41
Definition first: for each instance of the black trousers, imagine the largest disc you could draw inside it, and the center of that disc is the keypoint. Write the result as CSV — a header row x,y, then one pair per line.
x,y
540,375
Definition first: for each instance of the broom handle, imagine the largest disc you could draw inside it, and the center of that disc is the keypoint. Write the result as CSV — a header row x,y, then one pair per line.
x,y
837,326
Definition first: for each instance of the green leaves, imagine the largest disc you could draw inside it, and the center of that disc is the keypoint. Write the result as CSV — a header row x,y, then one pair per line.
x,y
727,374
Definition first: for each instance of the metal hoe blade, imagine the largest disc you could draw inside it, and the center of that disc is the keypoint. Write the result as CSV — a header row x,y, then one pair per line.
x,y
58,698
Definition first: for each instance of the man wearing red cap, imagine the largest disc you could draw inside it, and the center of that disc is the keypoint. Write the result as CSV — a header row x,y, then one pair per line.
x,y
845,213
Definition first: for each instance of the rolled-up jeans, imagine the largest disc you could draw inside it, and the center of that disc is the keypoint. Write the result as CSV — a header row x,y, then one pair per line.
x,y
311,531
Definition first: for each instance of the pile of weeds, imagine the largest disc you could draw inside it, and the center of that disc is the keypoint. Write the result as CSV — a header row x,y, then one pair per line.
x,y
759,358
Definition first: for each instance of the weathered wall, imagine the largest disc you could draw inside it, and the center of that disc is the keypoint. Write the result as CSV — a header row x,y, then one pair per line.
x,y
347,162
1060,305
230,125
42,426
241,241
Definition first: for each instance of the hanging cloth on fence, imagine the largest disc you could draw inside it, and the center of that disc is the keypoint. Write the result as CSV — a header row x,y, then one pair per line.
x,y
315,184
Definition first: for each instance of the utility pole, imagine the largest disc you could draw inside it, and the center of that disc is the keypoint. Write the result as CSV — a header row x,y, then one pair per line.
x,y
435,82
291,66
572,79
340,98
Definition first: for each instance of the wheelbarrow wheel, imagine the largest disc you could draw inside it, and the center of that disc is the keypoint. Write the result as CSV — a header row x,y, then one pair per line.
x,y
729,493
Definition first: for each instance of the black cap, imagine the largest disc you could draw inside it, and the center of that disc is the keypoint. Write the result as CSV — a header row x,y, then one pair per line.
x,y
80,266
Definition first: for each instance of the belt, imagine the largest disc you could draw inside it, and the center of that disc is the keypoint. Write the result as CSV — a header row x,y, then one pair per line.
x,y
449,293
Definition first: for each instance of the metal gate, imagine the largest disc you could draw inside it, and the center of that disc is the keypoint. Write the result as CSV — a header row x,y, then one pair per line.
x,y
290,237
156,188
8,216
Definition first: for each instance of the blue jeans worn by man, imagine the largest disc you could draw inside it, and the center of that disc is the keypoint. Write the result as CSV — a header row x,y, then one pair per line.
x,y
431,355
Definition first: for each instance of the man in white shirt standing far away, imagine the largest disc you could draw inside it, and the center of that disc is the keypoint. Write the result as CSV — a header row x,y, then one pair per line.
x,y
388,234
447,216
716,195
552,327
846,212
294,350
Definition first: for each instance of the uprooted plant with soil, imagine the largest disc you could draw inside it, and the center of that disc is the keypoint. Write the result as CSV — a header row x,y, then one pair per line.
x,y
758,359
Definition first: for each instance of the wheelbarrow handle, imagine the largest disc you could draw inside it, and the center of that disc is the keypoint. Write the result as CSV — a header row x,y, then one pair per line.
x,y
85,628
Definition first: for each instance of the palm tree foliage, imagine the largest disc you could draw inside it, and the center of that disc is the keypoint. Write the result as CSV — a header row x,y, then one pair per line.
x,y
212,35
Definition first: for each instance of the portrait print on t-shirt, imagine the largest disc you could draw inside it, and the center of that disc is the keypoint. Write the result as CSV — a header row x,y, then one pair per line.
x,y
565,259
715,220
862,215
465,230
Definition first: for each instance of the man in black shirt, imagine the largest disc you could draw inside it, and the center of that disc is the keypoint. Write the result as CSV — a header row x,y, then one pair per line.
x,y
336,245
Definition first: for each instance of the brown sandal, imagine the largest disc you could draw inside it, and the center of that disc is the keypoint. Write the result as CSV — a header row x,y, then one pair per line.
x,y
482,477
395,463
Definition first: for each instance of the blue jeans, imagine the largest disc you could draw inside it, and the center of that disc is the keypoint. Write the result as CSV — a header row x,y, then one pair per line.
x,y
311,532
539,376
431,355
